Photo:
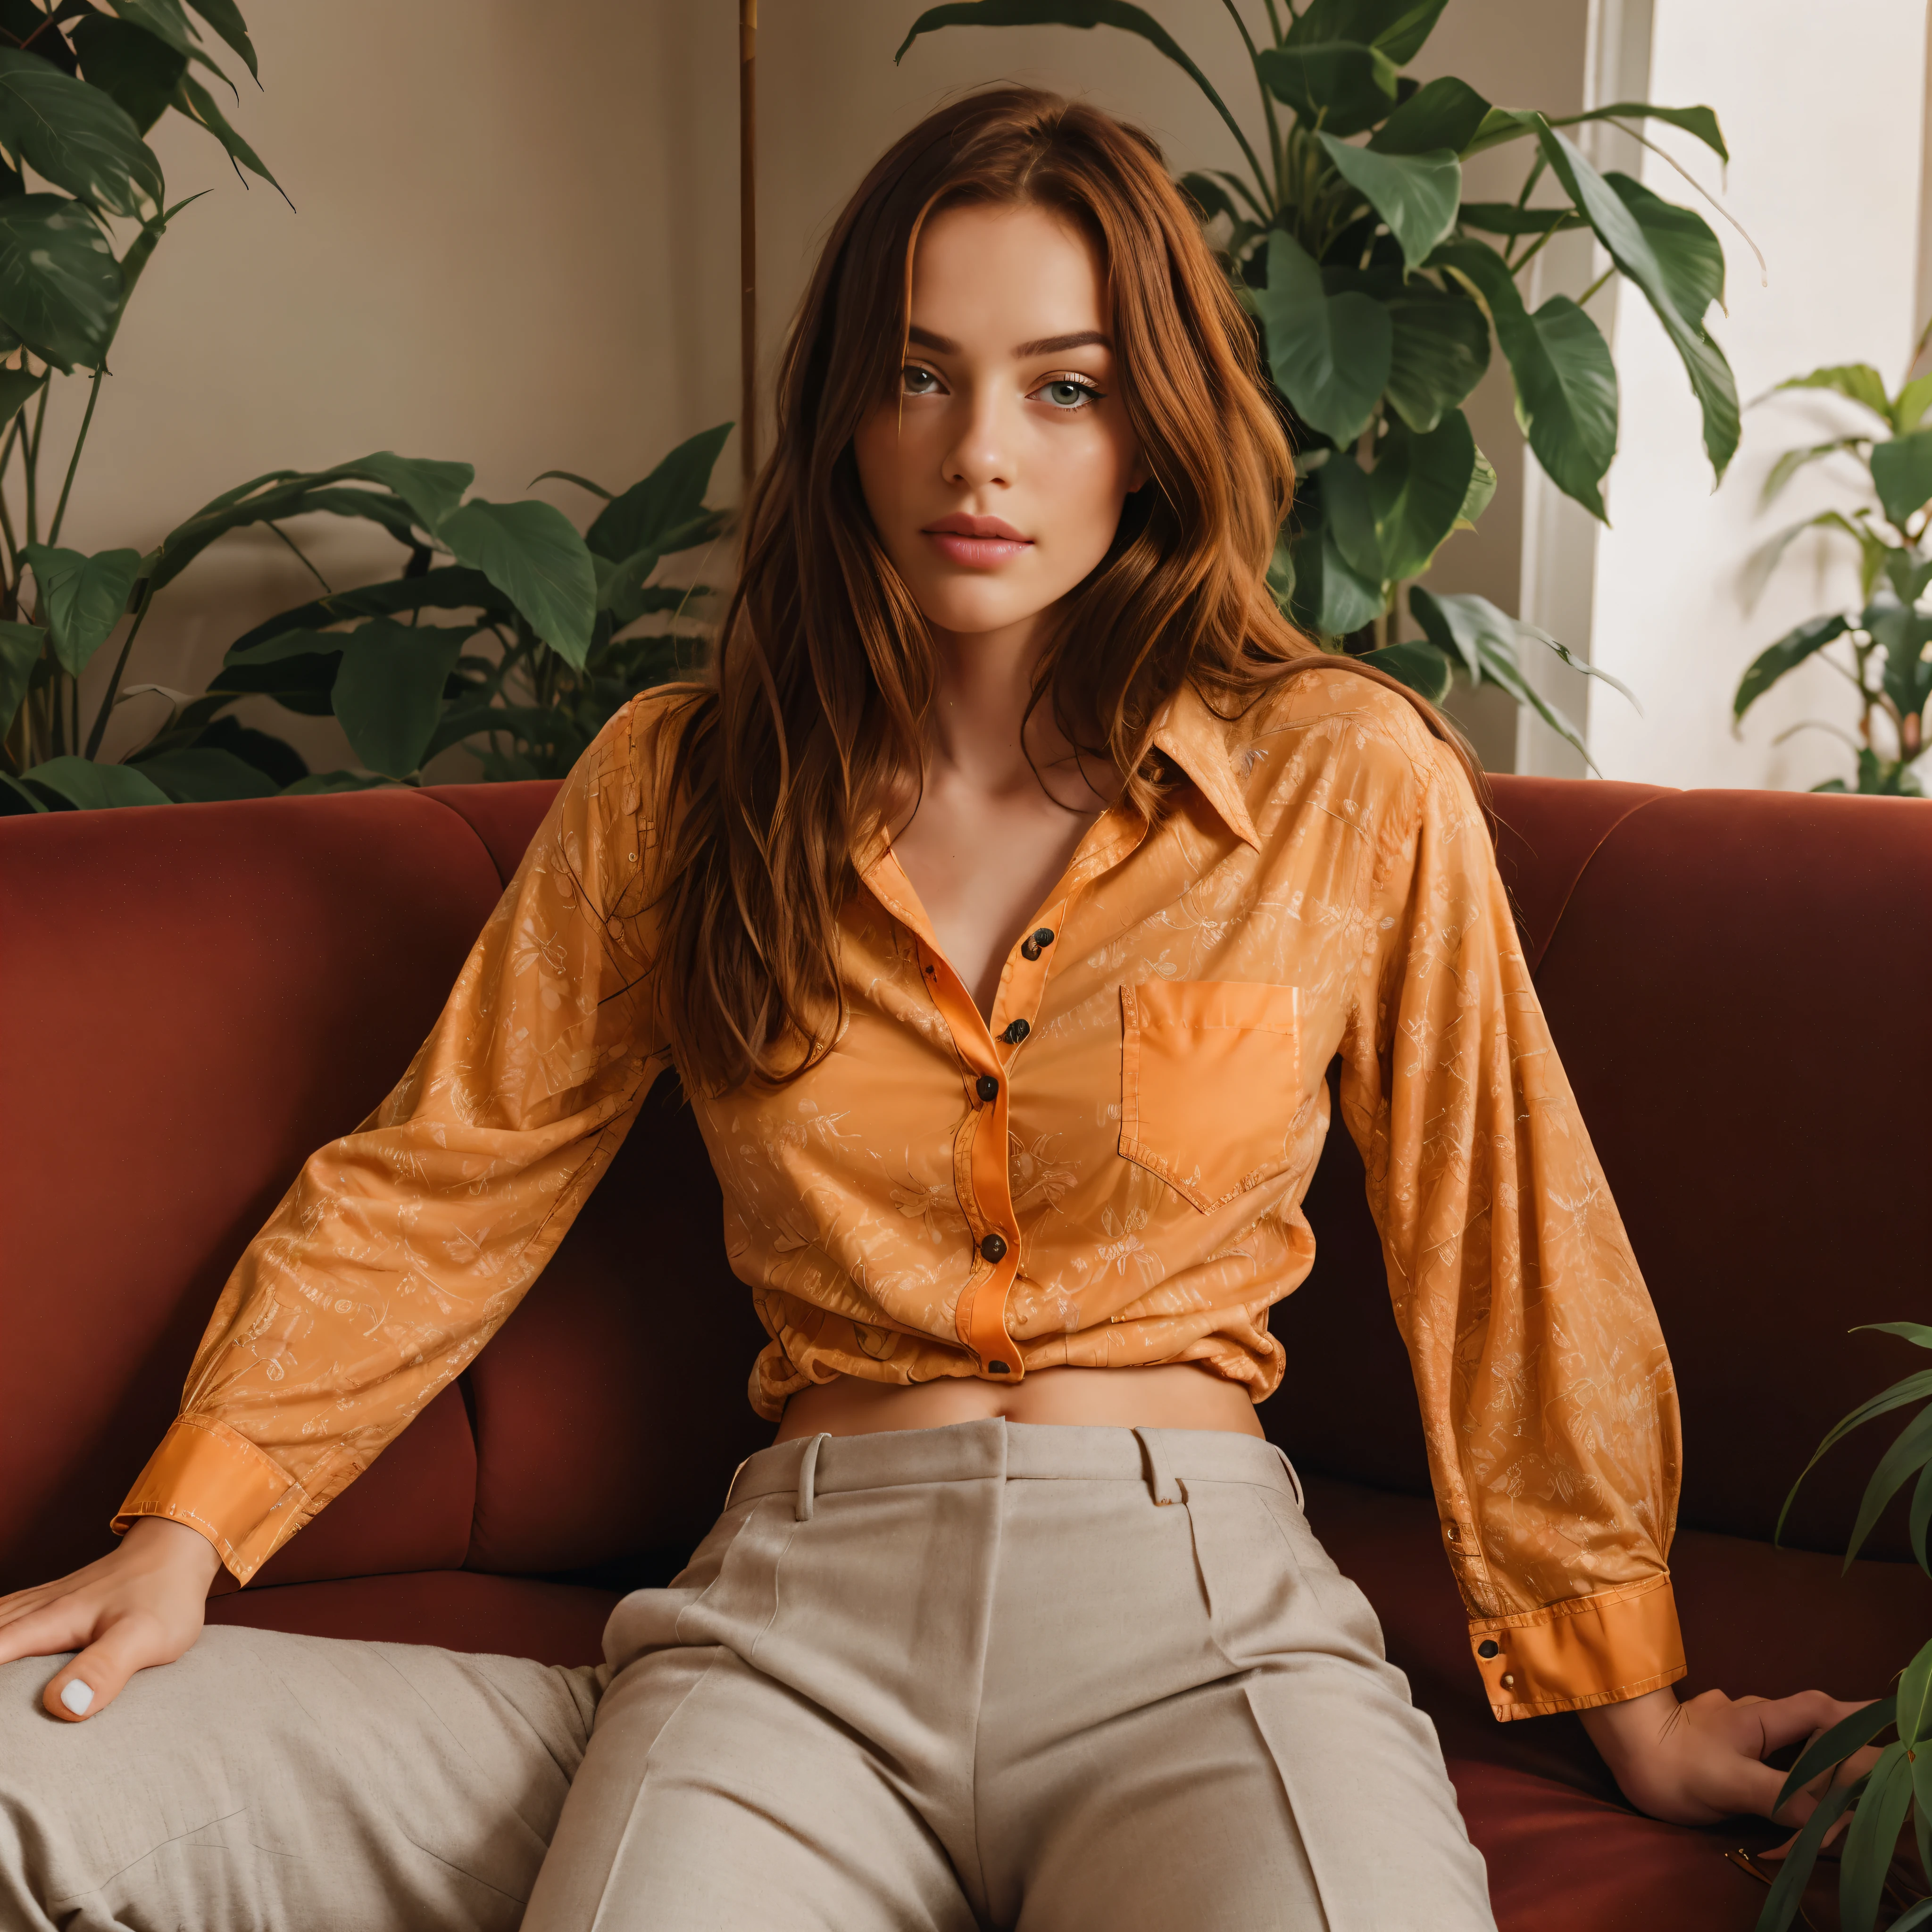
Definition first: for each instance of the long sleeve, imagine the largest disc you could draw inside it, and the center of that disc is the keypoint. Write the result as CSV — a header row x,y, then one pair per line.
x,y
402,1247
1547,1397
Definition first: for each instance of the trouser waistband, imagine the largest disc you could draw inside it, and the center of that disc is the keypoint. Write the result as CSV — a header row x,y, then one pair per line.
x,y
991,1449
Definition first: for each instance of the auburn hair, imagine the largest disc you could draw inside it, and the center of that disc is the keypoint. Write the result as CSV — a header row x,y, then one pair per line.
x,y
813,720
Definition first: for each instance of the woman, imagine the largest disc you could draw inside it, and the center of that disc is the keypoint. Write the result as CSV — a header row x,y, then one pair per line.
x,y
1001,908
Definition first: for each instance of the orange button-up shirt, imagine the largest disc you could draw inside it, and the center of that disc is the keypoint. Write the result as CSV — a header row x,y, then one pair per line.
x,y
1108,1171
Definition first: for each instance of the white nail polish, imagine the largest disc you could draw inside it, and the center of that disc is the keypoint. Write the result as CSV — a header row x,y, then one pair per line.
x,y
77,1697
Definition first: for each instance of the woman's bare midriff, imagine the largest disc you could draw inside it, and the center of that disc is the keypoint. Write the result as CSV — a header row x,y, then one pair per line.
x,y
1173,1395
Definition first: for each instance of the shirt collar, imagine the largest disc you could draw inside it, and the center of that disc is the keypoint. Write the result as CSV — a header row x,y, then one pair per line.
x,y
1186,731
1197,741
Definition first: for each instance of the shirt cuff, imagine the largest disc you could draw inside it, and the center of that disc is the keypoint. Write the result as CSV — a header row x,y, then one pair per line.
x,y
206,1476
1574,1656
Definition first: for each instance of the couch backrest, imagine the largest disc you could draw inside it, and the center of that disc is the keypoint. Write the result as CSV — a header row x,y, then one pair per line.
x,y
195,996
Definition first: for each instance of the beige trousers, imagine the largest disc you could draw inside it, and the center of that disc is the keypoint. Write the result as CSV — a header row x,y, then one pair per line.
x,y
1045,1679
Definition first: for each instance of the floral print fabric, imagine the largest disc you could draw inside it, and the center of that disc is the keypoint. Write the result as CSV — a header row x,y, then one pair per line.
x,y
1108,1170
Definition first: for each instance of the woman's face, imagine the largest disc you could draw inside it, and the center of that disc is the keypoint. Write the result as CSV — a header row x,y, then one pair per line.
x,y
996,473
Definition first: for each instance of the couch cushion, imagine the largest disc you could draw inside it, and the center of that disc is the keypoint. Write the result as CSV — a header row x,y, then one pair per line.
x,y
197,997
502,1616
611,1409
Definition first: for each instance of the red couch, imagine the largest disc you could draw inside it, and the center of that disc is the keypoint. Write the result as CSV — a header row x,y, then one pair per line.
x,y
195,996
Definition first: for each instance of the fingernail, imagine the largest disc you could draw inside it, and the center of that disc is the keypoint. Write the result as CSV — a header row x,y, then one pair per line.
x,y
77,1697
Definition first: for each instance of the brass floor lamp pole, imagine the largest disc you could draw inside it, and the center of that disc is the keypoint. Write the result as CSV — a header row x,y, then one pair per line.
x,y
748,240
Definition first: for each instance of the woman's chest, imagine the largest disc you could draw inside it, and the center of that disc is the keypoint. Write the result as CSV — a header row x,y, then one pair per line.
x,y
1166,1042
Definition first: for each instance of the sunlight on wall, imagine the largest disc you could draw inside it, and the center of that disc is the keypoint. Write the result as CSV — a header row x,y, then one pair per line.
x,y
1823,108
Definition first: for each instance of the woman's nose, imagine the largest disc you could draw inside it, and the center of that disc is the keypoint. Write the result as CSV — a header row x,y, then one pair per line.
x,y
982,453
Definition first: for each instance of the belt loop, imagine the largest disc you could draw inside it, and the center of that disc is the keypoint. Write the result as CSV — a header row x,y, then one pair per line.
x,y
808,1473
1160,1477
1301,1501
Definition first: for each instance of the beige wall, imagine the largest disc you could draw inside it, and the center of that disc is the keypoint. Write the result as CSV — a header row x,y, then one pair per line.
x,y
514,243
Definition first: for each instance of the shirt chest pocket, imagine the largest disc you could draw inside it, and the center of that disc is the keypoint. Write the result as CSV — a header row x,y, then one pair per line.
x,y
1210,1083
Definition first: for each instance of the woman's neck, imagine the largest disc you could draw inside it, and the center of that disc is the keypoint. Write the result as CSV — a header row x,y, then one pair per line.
x,y
979,732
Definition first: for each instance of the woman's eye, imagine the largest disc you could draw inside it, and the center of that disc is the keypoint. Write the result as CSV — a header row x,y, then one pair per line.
x,y
917,381
1064,393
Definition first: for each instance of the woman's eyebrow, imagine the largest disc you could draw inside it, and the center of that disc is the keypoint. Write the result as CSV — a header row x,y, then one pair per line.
x,y
1047,345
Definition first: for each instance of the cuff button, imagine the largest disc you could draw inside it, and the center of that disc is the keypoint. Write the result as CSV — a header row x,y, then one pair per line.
x,y
1509,1681
1489,1647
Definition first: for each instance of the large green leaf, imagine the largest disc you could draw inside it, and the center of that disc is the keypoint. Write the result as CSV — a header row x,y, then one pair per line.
x,y
1787,654
1902,475
1903,633
1330,355
389,691
90,786
1421,666
1566,383
1116,14
1700,121
1857,382
130,65
194,100
18,388
1915,1699
1340,86
1329,597
75,136
651,515
1438,353
19,652
428,490
1869,1844
1489,642
1909,1453
1634,249
1442,113
1348,512
431,489
1505,217
81,598
1688,252
452,587
60,286
1833,1747
1418,488
1909,405
1416,194
199,773
533,554
1396,27
225,17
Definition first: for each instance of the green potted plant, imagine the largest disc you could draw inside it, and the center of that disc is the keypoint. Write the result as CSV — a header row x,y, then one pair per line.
x,y
1880,647
1897,1791
1378,290
80,85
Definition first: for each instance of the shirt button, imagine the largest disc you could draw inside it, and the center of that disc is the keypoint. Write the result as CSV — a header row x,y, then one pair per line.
x,y
988,1088
998,1369
1031,946
1489,1647
993,1248
1017,1032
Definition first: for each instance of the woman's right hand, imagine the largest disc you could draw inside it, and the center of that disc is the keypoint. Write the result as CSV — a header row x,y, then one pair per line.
x,y
141,1604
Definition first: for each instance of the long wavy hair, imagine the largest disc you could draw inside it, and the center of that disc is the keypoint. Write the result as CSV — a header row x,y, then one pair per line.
x,y
813,727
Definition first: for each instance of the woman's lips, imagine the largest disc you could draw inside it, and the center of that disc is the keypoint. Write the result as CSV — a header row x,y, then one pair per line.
x,y
977,552
979,543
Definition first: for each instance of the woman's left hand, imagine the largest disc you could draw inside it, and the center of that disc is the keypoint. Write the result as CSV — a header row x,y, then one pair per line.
x,y
1695,1763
